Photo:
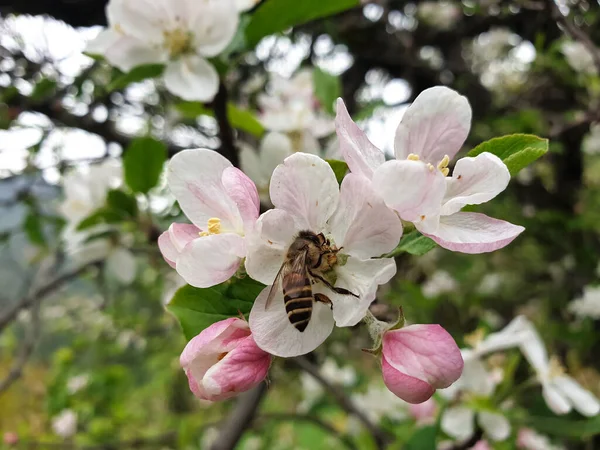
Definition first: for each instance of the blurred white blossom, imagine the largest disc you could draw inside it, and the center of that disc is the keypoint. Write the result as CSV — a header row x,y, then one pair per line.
x,y
579,57
65,424
588,305
441,15
77,383
441,282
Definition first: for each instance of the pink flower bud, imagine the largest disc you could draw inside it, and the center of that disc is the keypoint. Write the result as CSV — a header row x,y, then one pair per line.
x,y
10,438
419,359
223,360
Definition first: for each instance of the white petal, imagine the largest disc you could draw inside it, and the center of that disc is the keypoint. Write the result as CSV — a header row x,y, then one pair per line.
x,y
582,400
534,351
495,426
516,333
274,148
309,143
458,422
194,177
213,24
251,164
211,260
435,125
142,19
475,181
305,186
245,5
362,223
361,277
268,244
474,233
411,189
121,265
274,333
476,378
555,399
124,52
360,154
192,78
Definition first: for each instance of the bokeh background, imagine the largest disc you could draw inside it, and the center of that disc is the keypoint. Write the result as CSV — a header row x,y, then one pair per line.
x,y
88,354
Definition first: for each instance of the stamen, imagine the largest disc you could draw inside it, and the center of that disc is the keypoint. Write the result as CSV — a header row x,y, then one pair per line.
x,y
213,225
444,162
445,171
413,157
177,41
430,167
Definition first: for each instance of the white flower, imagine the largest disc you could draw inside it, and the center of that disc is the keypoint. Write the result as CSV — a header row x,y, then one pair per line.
x,y
459,422
579,57
180,33
591,143
65,424
377,402
306,195
529,439
75,384
442,15
441,282
588,305
490,283
313,390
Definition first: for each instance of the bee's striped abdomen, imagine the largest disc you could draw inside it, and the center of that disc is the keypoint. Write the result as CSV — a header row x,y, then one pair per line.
x,y
298,298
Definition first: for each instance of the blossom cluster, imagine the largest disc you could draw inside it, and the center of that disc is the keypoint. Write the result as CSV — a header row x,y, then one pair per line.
x,y
353,224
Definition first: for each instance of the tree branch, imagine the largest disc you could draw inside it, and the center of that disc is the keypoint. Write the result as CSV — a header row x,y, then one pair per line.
x,y
381,437
228,149
240,418
469,442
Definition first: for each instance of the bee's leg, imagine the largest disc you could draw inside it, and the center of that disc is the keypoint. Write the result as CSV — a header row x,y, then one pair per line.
x,y
323,299
337,290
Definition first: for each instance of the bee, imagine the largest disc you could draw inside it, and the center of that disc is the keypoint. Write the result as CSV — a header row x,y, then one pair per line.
x,y
308,258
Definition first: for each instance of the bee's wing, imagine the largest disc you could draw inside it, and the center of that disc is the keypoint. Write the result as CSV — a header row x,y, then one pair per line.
x,y
296,265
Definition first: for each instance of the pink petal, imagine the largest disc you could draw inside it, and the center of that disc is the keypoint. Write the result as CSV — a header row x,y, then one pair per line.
x,y
475,181
211,260
362,223
474,233
423,412
436,124
419,359
173,241
481,445
242,369
195,179
274,333
359,153
411,188
243,192
305,186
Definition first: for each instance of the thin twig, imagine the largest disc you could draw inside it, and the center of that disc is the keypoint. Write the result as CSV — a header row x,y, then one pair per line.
x,y
314,420
381,437
477,435
228,149
575,33
240,418
30,300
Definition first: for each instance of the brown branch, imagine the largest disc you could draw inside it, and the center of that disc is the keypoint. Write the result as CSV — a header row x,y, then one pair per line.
x,y
381,437
228,149
575,33
240,419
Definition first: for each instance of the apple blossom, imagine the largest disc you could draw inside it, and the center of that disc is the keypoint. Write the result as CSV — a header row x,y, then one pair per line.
x,y
223,361
528,439
588,305
179,33
579,57
222,204
377,403
65,424
10,438
418,359
459,423
306,196
417,186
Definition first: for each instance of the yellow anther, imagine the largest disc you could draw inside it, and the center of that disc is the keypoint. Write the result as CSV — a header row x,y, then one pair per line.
x,y
177,41
430,167
213,225
413,157
445,171
473,339
444,162
556,368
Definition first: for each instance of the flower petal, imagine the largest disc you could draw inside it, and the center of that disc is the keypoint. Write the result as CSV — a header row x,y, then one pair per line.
x,y
408,388
251,164
583,400
436,124
305,186
274,333
555,399
267,245
243,192
474,233
361,277
211,260
195,179
458,422
121,265
362,223
359,153
141,19
475,181
274,148
213,24
192,78
172,242
241,369
495,426
411,188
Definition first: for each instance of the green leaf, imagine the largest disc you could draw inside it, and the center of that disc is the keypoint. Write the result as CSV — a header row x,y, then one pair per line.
x,y
327,89
273,16
135,75
33,229
242,119
197,308
101,216
569,428
44,88
339,168
143,163
516,150
120,201
422,439
414,243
